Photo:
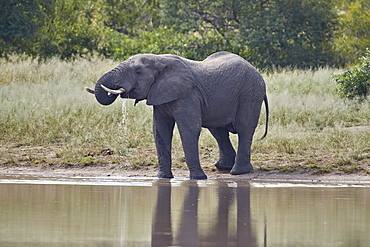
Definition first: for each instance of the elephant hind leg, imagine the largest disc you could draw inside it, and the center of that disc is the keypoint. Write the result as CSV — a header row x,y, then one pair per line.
x,y
242,163
227,152
249,115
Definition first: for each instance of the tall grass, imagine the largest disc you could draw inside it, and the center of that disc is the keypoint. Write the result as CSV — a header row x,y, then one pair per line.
x,y
48,118
311,127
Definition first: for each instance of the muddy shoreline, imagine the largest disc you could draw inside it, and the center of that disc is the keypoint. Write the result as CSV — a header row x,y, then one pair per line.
x,y
256,175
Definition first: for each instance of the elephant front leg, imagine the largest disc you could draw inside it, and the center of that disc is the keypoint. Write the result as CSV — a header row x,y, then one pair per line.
x,y
163,132
189,133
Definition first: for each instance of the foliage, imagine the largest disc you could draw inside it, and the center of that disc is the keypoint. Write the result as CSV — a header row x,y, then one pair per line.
x,y
72,30
19,23
272,33
160,41
268,33
289,32
352,36
130,17
355,83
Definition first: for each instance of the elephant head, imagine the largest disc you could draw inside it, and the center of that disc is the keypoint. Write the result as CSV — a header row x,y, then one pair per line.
x,y
157,78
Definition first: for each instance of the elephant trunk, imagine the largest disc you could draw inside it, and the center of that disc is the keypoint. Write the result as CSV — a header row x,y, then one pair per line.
x,y
102,96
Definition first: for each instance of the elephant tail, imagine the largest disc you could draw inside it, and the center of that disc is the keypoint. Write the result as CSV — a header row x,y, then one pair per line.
x,y
267,117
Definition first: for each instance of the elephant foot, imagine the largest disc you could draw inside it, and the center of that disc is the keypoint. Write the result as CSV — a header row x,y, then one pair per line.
x,y
162,174
223,165
197,175
241,169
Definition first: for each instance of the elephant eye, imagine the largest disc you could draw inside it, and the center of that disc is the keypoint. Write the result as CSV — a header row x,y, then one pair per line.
x,y
138,72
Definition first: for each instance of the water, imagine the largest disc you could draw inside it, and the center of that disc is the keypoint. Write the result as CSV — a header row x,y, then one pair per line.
x,y
62,211
124,119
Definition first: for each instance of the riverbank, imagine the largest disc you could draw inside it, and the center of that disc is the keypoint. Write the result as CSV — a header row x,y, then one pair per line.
x,y
151,171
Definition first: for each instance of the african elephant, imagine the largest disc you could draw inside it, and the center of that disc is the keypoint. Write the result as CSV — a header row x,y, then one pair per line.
x,y
223,93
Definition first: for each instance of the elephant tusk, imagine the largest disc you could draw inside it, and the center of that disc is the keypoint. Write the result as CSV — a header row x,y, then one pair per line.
x,y
90,90
118,91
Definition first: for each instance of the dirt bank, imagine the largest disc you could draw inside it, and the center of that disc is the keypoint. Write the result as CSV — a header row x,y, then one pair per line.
x,y
150,171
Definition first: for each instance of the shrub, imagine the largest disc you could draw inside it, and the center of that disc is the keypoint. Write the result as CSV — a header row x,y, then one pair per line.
x,y
355,83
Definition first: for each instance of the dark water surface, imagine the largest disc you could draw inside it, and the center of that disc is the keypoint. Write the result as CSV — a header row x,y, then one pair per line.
x,y
61,211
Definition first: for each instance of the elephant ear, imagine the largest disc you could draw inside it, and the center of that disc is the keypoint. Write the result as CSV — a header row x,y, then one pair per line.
x,y
174,81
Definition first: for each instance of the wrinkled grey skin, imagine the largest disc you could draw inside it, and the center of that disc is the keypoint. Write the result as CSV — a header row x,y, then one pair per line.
x,y
223,93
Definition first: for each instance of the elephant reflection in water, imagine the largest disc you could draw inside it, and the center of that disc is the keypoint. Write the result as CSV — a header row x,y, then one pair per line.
x,y
189,232
162,229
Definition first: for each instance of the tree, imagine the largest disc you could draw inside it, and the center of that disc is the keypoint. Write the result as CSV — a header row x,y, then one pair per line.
x,y
131,16
19,24
291,33
78,27
205,18
353,34
74,28
268,33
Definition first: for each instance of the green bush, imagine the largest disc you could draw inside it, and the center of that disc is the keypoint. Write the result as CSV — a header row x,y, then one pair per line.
x,y
355,83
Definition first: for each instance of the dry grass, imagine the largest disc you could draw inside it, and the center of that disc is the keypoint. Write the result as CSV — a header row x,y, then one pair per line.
x,y
48,119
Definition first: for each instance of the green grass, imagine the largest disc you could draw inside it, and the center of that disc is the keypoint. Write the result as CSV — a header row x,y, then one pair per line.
x,y
47,118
